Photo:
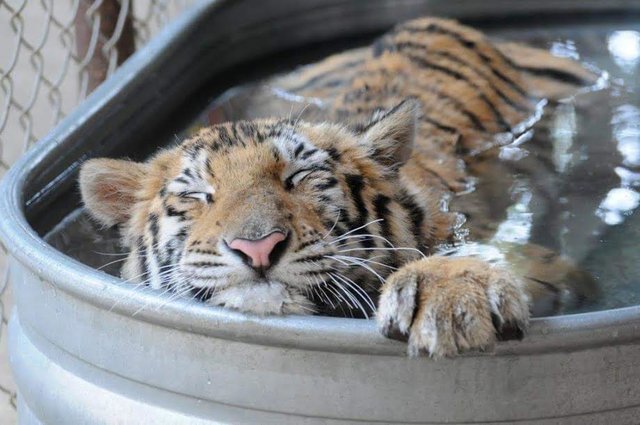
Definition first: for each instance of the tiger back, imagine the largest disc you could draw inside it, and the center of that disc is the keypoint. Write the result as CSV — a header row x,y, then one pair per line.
x,y
476,96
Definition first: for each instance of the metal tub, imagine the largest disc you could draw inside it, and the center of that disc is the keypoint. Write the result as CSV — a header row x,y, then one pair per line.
x,y
86,348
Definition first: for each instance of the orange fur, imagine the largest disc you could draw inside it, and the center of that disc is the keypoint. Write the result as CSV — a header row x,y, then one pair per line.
x,y
355,201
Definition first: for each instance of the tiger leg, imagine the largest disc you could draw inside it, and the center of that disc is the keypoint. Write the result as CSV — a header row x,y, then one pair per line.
x,y
445,305
547,76
553,282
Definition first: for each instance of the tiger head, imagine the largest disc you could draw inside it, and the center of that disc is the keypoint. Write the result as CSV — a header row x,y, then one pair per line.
x,y
270,216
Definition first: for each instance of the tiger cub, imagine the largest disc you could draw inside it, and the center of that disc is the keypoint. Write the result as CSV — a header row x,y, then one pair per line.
x,y
324,216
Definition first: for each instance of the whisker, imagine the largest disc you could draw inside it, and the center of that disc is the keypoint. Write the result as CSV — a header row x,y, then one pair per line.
x,y
350,295
172,297
338,297
361,227
366,260
363,294
347,293
175,295
321,289
335,223
110,253
143,283
304,108
361,264
362,236
112,262
385,249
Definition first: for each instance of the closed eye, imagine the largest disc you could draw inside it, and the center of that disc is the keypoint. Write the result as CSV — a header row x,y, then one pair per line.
x,y
200,196
294,179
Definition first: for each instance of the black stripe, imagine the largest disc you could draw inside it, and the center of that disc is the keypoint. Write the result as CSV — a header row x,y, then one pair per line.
x,y
308,153
439,125
355,183
310,82
509,101
202,294
464,64
470,44
344,216
458,76
236,135
556,74
415,213
557,301
205,264
182,234
312,272
181,180
328,184
440,178
172,212
306,244
209,166
458,105
546,284
309,258
275,131
142,249
203,251
247,128
334,154
288,183
324,200
195,149
154,228
224,137
381,208
299,149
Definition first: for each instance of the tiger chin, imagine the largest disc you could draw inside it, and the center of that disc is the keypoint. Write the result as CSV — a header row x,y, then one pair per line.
x,y
276,216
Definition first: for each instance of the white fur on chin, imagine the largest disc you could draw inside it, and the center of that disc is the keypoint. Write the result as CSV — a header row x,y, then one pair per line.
x,y
263,298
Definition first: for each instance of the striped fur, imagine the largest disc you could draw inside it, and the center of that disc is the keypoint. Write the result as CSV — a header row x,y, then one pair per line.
x,y
359,189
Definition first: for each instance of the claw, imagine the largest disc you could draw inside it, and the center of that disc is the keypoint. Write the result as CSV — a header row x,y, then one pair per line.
x,y
445,306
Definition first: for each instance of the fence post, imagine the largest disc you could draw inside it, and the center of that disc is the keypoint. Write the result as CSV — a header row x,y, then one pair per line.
x,y
104,36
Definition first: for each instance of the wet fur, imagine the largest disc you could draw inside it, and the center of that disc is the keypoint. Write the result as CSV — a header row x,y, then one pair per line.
x,y
360,192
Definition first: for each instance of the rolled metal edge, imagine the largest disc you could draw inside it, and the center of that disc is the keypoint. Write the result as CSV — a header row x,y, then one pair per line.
x,y
571,332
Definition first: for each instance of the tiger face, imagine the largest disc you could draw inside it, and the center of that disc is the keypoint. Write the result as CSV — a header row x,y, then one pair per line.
x,y
270,217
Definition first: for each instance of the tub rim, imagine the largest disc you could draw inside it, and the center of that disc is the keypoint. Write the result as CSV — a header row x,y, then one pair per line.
x,y
568,332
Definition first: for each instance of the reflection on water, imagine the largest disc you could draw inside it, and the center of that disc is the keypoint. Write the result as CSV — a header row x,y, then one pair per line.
x,y
564,49
624,47
626,130
564,131
574,177
586,207
619,204
516,228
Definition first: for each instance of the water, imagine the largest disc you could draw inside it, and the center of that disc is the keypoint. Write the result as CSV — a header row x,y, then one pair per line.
x,y
575,178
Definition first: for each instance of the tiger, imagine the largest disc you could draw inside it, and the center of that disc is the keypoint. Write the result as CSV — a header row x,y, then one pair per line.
x,y
350,211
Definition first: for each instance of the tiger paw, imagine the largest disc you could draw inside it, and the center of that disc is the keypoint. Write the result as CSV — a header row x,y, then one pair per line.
x,y
445,306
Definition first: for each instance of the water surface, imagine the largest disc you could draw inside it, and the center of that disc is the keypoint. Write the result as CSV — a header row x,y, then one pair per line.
x,y
576,173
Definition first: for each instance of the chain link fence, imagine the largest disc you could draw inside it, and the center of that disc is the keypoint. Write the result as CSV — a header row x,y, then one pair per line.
x,y
51,57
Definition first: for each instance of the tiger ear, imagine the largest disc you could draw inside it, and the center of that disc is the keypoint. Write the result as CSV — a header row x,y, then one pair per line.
x,y
109,186
391,135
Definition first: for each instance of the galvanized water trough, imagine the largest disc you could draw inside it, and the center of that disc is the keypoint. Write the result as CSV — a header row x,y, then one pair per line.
x,y
81,354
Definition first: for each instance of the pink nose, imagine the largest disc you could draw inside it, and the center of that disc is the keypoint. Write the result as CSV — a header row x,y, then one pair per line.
x,y
258,250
